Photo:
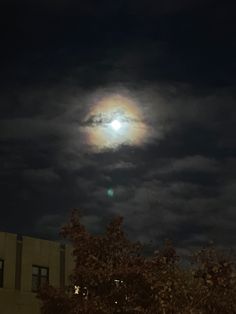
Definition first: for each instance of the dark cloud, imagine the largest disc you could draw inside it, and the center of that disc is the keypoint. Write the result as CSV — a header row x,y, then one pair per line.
x,y
106,7
156,188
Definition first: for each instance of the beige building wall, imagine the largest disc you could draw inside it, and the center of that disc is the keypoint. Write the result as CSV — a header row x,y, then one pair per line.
x,y
8,254
19,254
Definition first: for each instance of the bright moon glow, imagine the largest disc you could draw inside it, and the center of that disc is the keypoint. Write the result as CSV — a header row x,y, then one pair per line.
x,y
113,113
116,125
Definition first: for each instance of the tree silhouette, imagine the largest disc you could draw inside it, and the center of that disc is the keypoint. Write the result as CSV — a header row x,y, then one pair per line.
x,y
112,276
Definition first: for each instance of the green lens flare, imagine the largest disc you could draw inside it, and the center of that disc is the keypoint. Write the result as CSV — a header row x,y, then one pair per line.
x,y
110,192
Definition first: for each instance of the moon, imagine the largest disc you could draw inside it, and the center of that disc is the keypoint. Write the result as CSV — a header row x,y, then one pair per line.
x,y
114,120
116,125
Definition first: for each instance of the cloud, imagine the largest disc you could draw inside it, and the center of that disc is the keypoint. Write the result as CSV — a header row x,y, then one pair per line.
x,y
121,165
181,182
92,223
41,175
105,7
48,226
195,163
26,128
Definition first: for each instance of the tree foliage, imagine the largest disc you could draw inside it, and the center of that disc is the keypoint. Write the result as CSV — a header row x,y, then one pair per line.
x,y
112,276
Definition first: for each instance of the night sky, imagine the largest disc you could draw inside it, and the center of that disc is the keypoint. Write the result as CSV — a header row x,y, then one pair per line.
x,y
119,108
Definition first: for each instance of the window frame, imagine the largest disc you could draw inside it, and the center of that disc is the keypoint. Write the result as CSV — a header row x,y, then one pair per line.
x,y
39,276
2,273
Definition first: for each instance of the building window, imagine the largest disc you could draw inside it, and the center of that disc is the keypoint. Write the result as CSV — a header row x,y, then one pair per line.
x,y
40,277
1,272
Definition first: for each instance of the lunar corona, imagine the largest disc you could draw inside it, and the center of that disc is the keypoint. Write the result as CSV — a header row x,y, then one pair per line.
x,y
116,120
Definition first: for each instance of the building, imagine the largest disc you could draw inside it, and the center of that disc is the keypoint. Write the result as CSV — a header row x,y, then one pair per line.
x,y
25,264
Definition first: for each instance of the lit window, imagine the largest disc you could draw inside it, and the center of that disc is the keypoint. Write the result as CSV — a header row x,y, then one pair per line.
x,y
77,289
118,282
1,272
39,277
84,291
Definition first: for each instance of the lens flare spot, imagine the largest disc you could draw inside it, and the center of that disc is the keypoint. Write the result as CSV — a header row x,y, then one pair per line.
x,y
110,192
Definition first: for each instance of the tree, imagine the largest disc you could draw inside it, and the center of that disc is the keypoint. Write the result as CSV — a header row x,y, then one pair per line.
x,y
112,276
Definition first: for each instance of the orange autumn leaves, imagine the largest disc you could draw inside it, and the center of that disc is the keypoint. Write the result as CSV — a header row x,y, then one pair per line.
x,y
114,277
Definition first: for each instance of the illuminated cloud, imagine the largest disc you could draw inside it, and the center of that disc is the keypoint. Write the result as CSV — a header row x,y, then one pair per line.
x,y
114,120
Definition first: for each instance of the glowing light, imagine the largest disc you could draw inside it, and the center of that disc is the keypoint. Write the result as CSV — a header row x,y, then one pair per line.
x,y
77,289
114,120
110,192
116,125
